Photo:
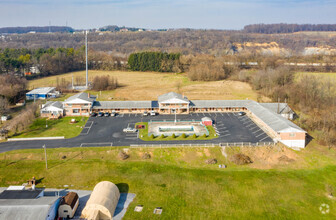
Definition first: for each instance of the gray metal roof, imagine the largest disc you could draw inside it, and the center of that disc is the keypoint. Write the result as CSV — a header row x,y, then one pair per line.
x,y
283,108
172,95
83,96
56,104
269,117
124,104
41,90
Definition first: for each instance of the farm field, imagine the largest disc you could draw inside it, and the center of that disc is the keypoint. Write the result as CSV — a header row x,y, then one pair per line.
x,y
325,75
149,85
179,180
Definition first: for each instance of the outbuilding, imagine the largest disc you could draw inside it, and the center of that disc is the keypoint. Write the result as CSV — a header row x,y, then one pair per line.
x,y
42,93
102,202
206,121
68,205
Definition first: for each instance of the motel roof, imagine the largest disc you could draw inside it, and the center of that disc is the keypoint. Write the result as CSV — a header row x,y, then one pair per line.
x,y
172,97
124,104
41,90
281,108
84,97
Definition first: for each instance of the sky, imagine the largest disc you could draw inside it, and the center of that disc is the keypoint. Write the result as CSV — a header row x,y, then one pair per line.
x,y
153,14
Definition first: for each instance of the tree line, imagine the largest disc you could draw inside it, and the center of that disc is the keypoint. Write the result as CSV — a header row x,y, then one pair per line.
x,y
46,29
154,61
287,28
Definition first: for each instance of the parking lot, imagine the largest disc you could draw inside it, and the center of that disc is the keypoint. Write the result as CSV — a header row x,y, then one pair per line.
x,y
230,128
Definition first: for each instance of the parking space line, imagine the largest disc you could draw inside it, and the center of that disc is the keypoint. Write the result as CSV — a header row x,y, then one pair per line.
x,y
226,135
260,134
256,131
263,138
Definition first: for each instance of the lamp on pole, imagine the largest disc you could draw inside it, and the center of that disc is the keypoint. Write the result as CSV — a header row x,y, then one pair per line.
x,y
45,155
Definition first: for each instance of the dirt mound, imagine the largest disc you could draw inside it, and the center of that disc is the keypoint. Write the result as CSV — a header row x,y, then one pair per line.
x,y
123,156
146,156
211,161
240,159
285,159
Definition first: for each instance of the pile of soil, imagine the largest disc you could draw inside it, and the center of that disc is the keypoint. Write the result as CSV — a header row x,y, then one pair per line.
x,y
240,159
211,161
146,156
285,159
123,156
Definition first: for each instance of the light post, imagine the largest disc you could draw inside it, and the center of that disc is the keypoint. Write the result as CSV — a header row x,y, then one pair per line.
x,y
45,154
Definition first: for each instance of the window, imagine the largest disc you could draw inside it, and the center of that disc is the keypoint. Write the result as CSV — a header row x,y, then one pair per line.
x,y
75,110
292,134
65,210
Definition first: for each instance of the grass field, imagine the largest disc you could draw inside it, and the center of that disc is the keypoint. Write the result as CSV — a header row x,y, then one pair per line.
x,y
60,127
149,85
143,135
325,75
178,180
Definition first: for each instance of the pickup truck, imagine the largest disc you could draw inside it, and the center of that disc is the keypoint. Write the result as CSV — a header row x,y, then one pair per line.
x,y
130,130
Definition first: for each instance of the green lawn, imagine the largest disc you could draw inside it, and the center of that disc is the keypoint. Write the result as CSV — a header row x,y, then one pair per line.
x,y
60,127
143,135
178,180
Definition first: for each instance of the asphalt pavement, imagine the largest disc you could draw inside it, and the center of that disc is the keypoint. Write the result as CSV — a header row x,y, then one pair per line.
x,y
107,131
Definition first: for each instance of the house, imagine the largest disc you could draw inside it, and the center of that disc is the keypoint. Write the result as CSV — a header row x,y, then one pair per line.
x,y
79,104
5,117
42,93
280,108
68,205
52,109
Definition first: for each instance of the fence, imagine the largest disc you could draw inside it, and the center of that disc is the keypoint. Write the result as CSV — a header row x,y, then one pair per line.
x,y
237,144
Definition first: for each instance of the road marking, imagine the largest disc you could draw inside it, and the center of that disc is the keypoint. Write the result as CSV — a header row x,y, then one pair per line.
x,y
263,138
226,135
260,134
256,131
96,144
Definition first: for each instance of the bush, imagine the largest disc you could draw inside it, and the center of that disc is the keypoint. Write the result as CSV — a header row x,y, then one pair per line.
x,y
152,136
184,135
240,159
123,155
173,136
204,135
194,136
104,83
162,136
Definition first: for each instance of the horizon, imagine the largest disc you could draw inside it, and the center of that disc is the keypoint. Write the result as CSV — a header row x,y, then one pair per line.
x,y
150,14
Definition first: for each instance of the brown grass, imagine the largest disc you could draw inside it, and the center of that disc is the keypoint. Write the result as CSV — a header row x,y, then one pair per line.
x,y
149,85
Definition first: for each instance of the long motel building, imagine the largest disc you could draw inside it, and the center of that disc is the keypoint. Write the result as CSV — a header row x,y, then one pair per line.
x,y
273,118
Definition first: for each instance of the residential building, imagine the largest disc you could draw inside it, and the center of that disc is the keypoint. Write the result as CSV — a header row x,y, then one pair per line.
x,y
79,104
42,93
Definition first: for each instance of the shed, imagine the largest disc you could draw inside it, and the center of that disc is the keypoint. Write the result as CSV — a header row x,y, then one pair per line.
x,y
102,202
68,205
206,121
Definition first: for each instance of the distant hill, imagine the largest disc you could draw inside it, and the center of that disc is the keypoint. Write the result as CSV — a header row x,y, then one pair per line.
x,y
287,28
23,30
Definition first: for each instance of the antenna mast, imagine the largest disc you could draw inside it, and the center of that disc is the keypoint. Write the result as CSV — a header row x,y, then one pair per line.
x,y
86,55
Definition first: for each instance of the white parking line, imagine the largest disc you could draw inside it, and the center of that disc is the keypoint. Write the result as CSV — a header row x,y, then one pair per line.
x,y
251,129
263,138
260,134
222,114
226,135
256,131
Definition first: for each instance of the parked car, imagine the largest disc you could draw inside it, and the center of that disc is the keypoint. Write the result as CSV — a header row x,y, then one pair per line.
x,y
153,113
241,113
100,114
129,130
145,113
106,114
93,114
113,114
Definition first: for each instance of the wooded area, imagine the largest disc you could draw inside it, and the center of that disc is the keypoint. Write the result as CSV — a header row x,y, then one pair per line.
x,y
287,28
154,61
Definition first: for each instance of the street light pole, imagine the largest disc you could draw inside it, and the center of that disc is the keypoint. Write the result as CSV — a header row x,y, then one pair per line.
x,y
45,154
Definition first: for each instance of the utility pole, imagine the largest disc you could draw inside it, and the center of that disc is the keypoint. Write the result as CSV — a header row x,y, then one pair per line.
x,y
86,55
45,154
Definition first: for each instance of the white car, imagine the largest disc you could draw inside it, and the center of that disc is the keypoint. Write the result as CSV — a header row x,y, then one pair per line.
x,y
113,114
130,130
153,113
145,113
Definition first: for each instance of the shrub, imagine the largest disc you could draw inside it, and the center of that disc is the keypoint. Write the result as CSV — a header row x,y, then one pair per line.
x,y
162,136
184,135
240,159
194,136
152,136
173,136
204,135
